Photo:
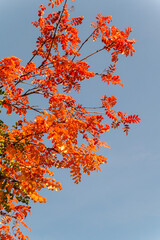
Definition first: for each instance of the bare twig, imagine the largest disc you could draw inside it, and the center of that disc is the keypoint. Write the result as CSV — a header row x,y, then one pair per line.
x,y
99,50
31,91
84,42
93,107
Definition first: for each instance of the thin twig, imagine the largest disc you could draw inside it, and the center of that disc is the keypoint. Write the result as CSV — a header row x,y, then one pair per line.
x,y
29,84
84,42
32,92
105,47
95,112
93,107
99,50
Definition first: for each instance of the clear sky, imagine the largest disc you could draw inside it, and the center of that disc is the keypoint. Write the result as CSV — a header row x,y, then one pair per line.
x,y
122,202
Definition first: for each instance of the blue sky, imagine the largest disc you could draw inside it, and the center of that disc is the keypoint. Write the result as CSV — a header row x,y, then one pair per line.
x,y
122,202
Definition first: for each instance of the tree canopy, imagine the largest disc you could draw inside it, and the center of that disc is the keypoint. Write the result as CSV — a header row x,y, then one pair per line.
x,y
73,131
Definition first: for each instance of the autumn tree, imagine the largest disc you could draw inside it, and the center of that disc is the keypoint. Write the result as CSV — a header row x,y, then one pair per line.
x,y
27,161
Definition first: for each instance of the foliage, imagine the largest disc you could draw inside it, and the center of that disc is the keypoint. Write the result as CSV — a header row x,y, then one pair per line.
x,y
26,161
